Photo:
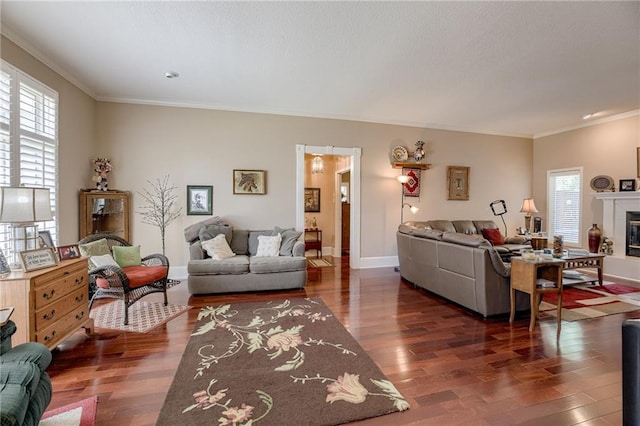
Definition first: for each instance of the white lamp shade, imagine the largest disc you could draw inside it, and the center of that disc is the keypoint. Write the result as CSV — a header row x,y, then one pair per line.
x,y
24,205
528,206
403,179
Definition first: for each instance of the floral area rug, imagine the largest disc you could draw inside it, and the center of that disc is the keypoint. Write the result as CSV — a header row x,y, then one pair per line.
x,y
275,363
584,301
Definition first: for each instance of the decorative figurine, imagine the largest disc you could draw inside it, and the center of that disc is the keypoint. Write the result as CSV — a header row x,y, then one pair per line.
x,y
418,154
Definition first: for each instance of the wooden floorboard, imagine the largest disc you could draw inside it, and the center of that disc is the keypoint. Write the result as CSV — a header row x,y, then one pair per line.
x,y
453,366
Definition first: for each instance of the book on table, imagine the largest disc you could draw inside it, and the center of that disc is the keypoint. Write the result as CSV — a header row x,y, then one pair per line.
x,y
544,283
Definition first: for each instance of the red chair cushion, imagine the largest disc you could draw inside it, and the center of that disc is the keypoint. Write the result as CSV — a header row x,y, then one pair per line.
x,y
139,275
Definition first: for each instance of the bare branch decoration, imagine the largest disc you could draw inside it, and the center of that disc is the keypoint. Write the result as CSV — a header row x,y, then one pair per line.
x,y
161,208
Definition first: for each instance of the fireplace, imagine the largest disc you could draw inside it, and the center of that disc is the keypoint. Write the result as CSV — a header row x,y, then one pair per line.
x,y
633,234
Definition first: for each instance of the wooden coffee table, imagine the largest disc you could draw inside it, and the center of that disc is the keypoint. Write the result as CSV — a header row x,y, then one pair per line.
x,y
591,260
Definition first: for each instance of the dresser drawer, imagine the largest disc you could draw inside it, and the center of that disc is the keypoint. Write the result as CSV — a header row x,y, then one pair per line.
x,y
58,288
58,273
61,328
56,310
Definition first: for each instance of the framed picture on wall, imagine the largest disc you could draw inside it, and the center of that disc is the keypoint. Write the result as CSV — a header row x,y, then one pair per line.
x,y
312,200
458,182
199,200
250,182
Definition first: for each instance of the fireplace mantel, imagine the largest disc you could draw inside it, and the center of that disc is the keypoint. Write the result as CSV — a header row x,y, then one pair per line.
x,y
615,206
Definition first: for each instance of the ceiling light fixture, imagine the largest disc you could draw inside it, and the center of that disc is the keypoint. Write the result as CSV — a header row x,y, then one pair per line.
x,y
317,165
171,74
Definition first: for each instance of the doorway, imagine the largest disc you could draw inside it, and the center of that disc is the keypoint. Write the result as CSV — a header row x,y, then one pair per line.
x,y
353,157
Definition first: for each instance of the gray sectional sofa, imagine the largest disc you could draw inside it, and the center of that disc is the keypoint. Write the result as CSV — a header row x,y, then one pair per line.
x,y
462,267
244,272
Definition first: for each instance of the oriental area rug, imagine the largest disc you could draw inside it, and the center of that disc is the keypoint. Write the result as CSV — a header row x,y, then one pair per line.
x,y
584,301
82,413
275,363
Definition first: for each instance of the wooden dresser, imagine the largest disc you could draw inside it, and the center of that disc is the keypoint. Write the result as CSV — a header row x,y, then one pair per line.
x,y
49,304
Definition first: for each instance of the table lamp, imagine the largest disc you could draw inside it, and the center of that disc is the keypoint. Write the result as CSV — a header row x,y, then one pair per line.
x,y
528,207
22,207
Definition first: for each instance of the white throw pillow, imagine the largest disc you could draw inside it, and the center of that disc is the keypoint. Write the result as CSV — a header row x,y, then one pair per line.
x,y
269,246
102,260
218,248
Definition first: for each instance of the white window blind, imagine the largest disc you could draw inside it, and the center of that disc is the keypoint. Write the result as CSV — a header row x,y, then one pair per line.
x,y
28,140
564,192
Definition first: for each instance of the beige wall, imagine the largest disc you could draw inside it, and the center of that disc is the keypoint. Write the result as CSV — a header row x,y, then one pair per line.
x,y
202,147
603,149
76,135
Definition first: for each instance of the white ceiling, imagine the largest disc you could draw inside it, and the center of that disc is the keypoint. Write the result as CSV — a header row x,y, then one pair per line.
x,y
513,68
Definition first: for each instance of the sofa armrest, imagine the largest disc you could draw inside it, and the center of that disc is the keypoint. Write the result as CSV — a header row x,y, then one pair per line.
x,y
518,239
195,251
298,249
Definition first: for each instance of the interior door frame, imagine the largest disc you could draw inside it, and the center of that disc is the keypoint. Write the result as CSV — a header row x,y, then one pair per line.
x,y
354,183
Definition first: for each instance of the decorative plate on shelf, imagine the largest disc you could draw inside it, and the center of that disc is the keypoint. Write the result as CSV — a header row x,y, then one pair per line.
x,y
400,153
602,183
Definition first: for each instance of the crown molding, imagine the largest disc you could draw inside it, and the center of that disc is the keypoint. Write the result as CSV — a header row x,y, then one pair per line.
x,y
589,124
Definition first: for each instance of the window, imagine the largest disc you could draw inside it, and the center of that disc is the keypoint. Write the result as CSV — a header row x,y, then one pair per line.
x,y
564,201
28,140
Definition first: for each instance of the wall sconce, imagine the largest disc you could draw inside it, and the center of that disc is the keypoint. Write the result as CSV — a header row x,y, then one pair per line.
x,y
317,165
528,207
404,179
21,207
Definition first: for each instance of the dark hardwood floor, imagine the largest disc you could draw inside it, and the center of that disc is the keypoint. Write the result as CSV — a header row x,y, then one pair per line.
x,y
453,366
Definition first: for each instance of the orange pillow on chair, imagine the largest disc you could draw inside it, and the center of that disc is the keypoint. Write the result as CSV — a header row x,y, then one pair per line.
x,y
138,275
493,235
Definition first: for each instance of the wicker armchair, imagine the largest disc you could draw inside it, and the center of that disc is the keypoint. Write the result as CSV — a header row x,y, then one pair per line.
x,y
113,281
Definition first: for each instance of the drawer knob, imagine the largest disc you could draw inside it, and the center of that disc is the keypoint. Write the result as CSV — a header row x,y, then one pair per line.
x,y
80,280
66,273
47,338
49,295
80,298
49,316
80,315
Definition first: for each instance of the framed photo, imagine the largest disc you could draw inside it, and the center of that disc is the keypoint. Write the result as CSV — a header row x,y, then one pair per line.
x,y
44,238
627,185
458,182
5,269
199,200
68,252
37,259
312,200
249,182
412,187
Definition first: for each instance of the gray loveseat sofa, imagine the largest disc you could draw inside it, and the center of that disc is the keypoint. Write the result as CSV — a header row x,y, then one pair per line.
x,y
245,271
464,268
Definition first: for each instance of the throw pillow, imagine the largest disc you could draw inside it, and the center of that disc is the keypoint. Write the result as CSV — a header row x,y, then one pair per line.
x,y
127,256
102,260
268,246
95,248
209,232
289,238
493,235
218,248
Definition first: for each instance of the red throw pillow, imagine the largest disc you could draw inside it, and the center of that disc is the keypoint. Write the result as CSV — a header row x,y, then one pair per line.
x,y
493,235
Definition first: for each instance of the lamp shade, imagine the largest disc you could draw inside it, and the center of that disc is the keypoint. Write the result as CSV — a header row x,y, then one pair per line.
x,y
528,206
403,179
24,205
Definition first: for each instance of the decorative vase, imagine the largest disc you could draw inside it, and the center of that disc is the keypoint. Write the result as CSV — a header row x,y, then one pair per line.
x,y
418,154
595,236
558,246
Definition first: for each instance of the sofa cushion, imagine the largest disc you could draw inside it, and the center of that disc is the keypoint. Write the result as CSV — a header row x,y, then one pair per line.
x,y
289,238
464,226
268,265
431,234
268,245
102,260
442,225
253,241
142,275
240,241
471,240
209,232
191,232
238,264
484,224
218,248
494,236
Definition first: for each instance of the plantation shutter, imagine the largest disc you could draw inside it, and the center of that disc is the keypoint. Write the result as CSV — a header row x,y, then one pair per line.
x,y
564,202
5,148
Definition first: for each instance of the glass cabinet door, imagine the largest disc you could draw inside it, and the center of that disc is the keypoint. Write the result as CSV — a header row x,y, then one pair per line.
x,y
104,212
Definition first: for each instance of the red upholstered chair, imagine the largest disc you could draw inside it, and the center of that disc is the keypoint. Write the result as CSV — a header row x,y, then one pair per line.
x,y
130,283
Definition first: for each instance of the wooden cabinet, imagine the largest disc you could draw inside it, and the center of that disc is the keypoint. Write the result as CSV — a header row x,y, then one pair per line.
x,y
104,211
49,304
313,240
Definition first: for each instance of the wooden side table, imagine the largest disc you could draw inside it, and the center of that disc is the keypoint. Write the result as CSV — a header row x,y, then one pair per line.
x,y
313,240
525,277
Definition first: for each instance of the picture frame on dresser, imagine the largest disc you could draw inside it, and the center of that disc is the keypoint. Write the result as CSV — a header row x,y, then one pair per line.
x,y
68,252
44,237
43,257
627,185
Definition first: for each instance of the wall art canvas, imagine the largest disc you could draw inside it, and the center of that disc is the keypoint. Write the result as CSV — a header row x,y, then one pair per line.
x,y
252,182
